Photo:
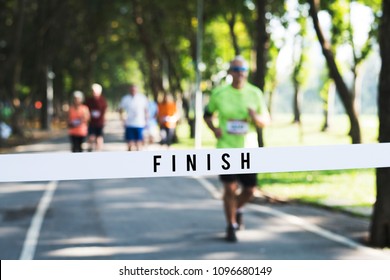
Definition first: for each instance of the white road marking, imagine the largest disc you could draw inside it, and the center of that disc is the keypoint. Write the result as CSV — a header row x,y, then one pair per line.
x,y
32,236
209,187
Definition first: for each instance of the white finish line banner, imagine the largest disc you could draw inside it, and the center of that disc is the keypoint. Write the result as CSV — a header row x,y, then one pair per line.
x,y
168,163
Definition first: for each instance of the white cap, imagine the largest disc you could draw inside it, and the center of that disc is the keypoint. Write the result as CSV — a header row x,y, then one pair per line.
x,y
97,88
240,59
78,94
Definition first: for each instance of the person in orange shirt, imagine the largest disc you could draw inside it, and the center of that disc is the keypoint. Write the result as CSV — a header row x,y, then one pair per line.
x,y
78,122
167,118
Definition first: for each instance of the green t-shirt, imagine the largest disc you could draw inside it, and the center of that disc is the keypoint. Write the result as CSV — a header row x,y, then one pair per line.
x,y
231,105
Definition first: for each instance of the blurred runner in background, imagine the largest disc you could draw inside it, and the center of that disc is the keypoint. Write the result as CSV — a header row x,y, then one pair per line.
x,y
78,122
167,118
135,105
97,105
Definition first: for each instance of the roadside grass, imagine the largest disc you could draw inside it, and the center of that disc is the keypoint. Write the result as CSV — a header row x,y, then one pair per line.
x,y
348,190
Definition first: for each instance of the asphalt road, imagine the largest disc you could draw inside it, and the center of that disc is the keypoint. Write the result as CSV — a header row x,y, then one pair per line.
x,y
162,218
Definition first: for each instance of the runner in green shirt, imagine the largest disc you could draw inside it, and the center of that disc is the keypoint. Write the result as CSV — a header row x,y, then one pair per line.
x,y
239,107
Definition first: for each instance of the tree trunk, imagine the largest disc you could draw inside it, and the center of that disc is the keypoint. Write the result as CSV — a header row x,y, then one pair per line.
x,y
232,22
297,103
356,67
16,59
329,107
41,59
13,67
154,64
345,95
357,88
296,82
380,224
190,101
262,41
58,87
173,76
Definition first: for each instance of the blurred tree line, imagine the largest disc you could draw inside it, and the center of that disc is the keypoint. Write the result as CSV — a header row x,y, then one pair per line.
x,y
153,43
68,45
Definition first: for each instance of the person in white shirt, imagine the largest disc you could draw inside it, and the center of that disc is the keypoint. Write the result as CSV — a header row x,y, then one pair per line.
x,y
135,105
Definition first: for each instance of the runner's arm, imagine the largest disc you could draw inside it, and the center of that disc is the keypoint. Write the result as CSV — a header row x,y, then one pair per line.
x,y
208,118
260,120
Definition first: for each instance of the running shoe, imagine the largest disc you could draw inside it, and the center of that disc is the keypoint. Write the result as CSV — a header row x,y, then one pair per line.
x,y
231,234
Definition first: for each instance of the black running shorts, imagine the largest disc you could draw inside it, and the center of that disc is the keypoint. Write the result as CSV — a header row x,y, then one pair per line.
x,y
246,180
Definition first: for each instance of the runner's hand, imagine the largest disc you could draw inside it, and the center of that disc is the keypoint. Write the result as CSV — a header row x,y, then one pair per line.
x,y
217,132
252,114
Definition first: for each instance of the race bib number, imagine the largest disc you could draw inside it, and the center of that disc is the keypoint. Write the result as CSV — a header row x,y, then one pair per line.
x,y
237,127
95,114
76,122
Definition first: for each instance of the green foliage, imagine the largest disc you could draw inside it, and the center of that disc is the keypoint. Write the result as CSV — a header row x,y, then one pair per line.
x,y
101,41
217,44
342,31
375,5
300,71
271,77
